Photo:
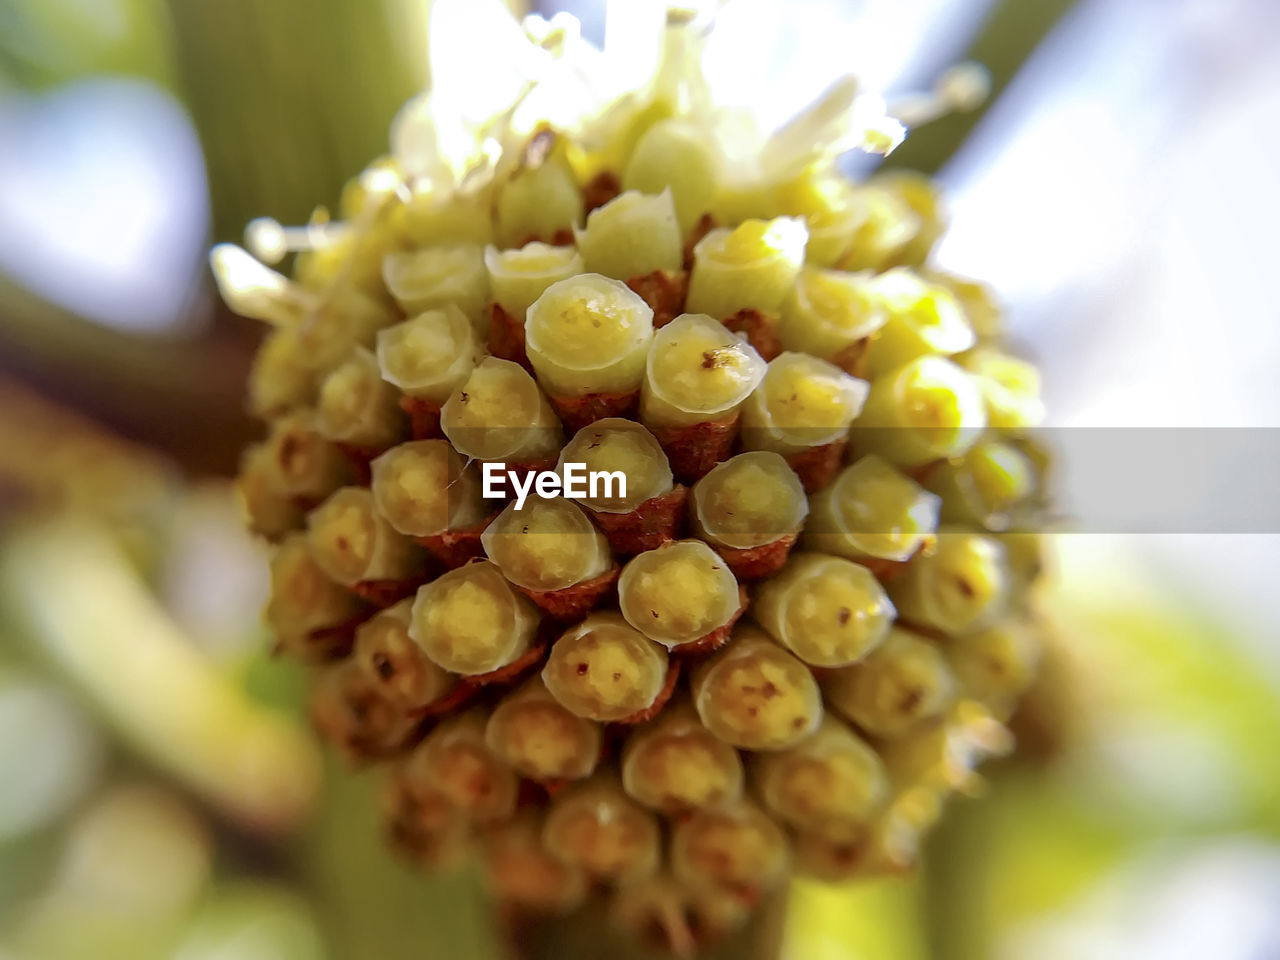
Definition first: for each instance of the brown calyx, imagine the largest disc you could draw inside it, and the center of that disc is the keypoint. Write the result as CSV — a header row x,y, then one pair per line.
x,y
383,593
718,637
602,188
706,223
818,466
329,643
664,291
885,570
755,563
576,601
578,412
506,337
649,525
453,548
513,670
853,358
360,456
760,329
695,448
424,417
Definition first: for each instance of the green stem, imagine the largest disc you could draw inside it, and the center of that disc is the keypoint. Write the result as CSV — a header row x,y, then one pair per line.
x,y
590,933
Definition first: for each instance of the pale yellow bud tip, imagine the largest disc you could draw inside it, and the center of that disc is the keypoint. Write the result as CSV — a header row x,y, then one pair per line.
x,y
965,86
252,289
267,240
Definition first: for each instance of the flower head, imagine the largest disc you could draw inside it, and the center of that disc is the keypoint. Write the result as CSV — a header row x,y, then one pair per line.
x,y
576,256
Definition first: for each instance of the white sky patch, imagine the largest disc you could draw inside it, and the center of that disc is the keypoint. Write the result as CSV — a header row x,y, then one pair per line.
x,y
103,202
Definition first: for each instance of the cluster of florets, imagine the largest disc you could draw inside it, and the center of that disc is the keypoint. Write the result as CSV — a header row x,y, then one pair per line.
x,y
778,647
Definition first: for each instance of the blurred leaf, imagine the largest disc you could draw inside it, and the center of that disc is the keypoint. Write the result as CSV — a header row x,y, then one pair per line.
x,y
47,42
292,97
1167,673
1030,846
1174,739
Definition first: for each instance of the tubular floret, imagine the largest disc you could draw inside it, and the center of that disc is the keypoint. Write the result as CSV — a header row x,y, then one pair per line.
x,y
678,593
960,586
829,313
305,602
595,826
996,665
737,848
470,620
541,739
434,277
755,695
632,235
1010,388
270,511
832,782
281,378
429,355
589,334
922,319
903,683
546,545
828,611
926,410
619,447
455,761
499,413
605,670
520,870
749,267
393,661
674,154
357,406
540,199
872,511
424,488
697,371
748,501
353,542
300,461
801,402
987,485
518,277
673,764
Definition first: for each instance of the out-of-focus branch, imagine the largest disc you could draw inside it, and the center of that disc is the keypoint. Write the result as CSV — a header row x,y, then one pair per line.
x,y
55,459
183,396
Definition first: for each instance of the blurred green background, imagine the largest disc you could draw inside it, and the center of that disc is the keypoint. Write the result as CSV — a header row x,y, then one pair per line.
x,y
160,795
